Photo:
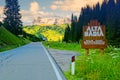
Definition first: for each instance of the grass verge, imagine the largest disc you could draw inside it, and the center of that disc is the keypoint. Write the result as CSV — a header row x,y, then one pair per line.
x,y
8,47
92,67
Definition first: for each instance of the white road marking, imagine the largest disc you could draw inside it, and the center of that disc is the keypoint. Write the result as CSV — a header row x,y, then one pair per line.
x,y
54,67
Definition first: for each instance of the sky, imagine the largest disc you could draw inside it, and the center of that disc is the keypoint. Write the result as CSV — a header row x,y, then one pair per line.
x,y
30,9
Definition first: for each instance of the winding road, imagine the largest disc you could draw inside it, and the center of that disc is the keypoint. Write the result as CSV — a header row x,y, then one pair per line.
x,y
29,62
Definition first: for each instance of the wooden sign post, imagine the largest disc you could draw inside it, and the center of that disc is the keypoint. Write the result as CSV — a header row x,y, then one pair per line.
x,y
94,37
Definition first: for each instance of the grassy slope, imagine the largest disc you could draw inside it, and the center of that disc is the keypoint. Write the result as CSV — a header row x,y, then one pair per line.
x,y
51,32
8,40
92,67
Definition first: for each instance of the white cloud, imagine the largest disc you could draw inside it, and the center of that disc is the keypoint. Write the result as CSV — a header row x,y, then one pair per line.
x,y
73,5
29,15
54,7
1,10
1,13
26,15
43,8
34,7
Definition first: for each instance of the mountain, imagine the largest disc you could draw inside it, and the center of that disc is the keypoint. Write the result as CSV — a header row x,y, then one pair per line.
x,y
51,20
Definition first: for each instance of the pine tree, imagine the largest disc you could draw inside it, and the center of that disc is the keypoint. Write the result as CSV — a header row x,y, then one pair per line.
x,y
67,34
96,12
12,21
117,23
74,28
103,12
110,21
85,16
0,23
72,18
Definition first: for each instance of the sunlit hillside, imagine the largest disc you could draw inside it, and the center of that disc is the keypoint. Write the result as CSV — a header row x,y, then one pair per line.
x,y
51,32
52,35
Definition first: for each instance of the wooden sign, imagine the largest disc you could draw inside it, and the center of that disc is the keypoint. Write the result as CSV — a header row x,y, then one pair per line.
x,y
94,36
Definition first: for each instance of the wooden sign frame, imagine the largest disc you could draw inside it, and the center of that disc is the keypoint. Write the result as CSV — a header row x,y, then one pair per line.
x,y
94,36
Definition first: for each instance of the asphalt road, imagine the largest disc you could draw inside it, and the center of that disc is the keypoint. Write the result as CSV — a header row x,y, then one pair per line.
x,y
29,62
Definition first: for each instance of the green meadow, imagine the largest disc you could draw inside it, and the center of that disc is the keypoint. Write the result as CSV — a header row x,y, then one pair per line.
x,y
93,67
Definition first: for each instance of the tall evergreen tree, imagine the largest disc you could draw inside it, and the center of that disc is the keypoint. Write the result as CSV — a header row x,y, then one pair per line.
x,y
71,33
103,12
110,21
84,18
67,34
86,15
0,23
12,21
74,28
117,22
96,12
80,25
72,18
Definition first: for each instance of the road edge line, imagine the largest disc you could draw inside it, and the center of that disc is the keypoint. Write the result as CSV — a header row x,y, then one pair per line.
x,y
53,64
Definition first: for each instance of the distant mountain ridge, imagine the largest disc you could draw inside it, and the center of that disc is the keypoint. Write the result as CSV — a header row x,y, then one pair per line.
x,y
51,20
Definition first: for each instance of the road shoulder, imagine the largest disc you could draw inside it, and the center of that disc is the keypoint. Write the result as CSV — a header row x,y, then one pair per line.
x,y
63,58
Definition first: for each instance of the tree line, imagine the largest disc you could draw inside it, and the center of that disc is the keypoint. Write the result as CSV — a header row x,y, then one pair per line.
x,y
107,14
